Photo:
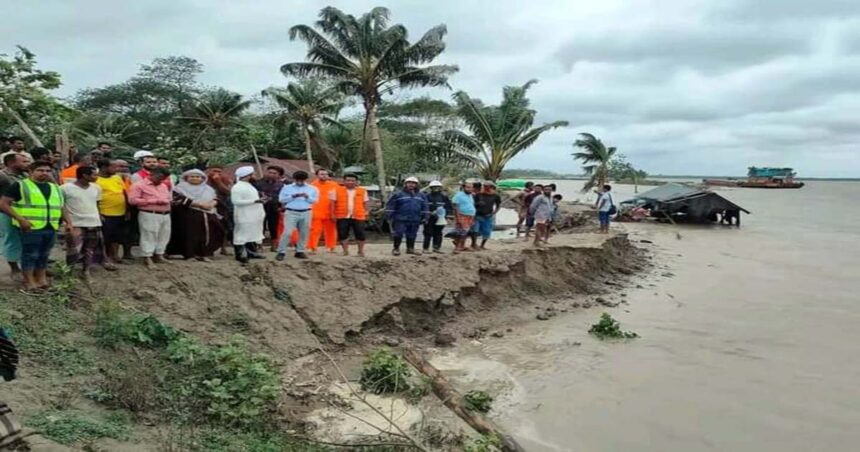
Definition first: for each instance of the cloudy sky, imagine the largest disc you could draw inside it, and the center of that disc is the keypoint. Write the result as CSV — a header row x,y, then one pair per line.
x,y
679,86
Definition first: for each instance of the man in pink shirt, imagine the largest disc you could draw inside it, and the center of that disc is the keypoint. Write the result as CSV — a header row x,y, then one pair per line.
x,y
152,198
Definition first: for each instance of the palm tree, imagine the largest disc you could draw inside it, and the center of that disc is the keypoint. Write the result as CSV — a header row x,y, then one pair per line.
x,y
596,158
367,57
215,111
309,104
497,134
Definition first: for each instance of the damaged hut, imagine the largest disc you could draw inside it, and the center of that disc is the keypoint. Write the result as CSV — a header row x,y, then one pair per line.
x,y
683,203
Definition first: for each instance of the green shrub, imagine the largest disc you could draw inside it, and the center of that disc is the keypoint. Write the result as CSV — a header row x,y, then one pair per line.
x,y
63,284
115,325
69,427
420,390
609,328
384,372
232,385
486,443
478,401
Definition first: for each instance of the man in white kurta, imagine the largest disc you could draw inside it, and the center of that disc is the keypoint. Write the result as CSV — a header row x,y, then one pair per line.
x,y
248,216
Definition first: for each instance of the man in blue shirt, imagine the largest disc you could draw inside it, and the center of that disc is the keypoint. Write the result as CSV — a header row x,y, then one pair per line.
x,y
297,199
464,216
406,210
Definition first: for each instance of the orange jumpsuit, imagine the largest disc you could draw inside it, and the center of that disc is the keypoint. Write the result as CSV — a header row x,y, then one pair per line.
x,y
322,222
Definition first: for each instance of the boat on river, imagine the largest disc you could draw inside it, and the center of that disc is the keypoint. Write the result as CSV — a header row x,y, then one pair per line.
x,y
764,177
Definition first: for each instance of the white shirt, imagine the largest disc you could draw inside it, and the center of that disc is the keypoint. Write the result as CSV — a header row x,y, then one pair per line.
x,y
350,200
248,214
604,207
82,205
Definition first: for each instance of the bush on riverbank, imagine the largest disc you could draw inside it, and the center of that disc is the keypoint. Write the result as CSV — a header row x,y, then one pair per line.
x,y
609,328
384,372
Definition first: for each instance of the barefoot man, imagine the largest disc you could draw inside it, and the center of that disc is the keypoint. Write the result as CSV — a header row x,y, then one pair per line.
x,y
349,208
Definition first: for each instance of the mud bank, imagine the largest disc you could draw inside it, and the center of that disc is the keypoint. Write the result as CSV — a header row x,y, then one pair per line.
x,y
291,308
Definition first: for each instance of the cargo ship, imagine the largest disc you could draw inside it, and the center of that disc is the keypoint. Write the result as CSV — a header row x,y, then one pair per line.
x,y
761,178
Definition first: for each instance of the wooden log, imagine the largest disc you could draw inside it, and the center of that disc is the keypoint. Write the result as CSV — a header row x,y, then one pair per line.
x,y
454,401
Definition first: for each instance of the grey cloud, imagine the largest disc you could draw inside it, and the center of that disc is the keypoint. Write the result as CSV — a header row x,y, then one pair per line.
x,y
795,10
680,86
708,47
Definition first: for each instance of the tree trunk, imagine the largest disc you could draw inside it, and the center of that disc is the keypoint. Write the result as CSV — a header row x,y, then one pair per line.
x,y
454,401
376,143
308,149
23,125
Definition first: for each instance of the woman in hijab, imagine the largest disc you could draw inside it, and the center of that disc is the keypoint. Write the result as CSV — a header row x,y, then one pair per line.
x,y
197,229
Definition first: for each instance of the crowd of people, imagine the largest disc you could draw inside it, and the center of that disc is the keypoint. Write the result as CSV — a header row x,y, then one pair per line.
x,y
101,209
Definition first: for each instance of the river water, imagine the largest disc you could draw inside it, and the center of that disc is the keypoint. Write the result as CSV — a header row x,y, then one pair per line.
x,y
751,344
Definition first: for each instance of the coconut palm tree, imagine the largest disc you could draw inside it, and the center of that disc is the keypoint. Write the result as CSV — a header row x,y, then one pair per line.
x,y
309,104
367,57
496,133
215,111
596,159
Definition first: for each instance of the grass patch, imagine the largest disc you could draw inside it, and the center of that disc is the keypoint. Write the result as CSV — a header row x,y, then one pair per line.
x,y
486,443
218,441
44,330
609,328
70,427
384,372
478,401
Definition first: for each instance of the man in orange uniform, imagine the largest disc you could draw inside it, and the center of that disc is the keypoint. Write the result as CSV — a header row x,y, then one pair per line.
x,y
322,222
349,207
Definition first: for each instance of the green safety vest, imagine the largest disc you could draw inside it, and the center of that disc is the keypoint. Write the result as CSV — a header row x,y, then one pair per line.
x,y
36,209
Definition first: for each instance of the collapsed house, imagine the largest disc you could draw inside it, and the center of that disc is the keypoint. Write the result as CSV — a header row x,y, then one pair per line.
x,y
682,203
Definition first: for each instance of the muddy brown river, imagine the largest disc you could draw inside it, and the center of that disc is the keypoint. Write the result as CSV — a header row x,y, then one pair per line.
x,y
749,342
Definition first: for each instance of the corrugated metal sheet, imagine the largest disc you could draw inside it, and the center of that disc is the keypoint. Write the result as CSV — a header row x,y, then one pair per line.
x,y
669,191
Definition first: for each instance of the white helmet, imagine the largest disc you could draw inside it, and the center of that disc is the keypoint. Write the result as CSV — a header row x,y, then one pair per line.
x,y
141,154
435,183
411,179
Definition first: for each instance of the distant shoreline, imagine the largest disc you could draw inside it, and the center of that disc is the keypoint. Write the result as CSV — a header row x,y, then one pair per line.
x,y
652,177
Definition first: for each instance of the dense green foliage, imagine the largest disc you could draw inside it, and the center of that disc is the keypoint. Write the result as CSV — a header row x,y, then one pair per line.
x,y
384,372
609,328
24,95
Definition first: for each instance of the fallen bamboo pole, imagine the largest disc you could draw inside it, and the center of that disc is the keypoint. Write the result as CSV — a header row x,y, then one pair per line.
x,y
257,160
454,401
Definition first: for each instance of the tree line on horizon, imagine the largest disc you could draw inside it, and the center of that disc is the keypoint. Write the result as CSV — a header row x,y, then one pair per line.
x,y
353,63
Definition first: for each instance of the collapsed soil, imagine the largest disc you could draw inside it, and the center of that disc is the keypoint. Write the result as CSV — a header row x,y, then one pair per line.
x,y
291,308
348,305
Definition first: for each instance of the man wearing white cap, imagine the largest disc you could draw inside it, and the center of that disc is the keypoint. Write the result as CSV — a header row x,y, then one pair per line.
x,y
440,207
406,210
152,198
248,216
148,162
